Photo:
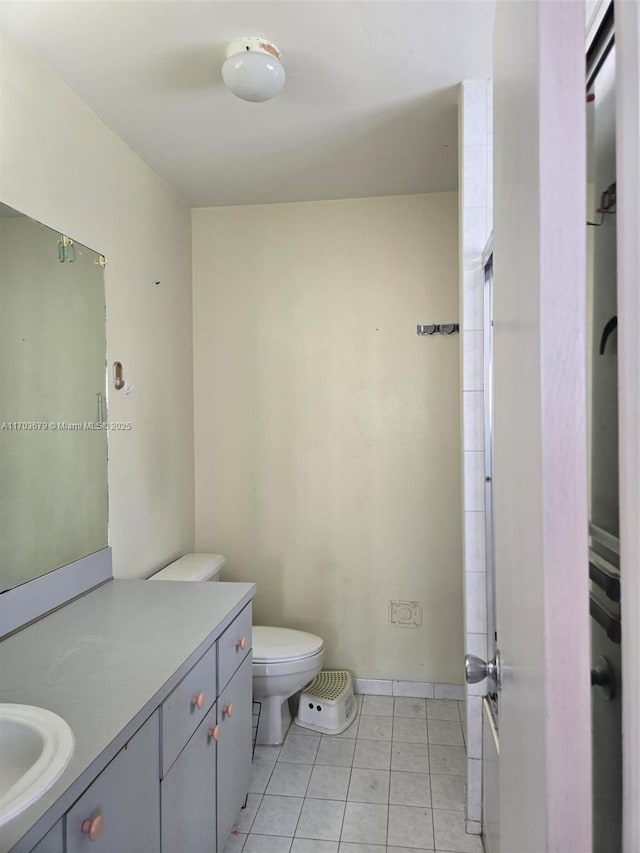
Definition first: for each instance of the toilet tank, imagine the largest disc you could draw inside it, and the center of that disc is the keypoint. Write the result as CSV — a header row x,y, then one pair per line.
x,y
192,567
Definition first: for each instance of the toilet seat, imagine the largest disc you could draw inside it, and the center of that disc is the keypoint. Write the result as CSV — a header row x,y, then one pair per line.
x,y
281,645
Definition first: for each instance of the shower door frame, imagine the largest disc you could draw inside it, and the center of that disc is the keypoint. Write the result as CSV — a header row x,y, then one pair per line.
x,y
628,252
492,629
627,17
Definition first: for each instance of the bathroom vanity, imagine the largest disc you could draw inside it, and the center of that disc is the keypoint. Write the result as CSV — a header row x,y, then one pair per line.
x,y
155,682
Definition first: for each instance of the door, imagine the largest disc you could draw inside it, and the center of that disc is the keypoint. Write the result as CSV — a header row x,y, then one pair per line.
x,y
539,471
120,810
234,748
188,794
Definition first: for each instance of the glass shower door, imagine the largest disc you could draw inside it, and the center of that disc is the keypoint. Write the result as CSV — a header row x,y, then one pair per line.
x,y
602,360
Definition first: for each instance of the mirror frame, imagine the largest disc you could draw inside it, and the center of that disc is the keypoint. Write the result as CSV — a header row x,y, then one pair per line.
x,y
35,598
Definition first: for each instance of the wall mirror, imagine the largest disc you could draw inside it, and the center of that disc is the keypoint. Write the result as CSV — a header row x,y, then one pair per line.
x,y
53,414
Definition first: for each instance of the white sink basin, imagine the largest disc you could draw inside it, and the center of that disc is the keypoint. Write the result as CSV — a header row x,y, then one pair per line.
x,y
35,747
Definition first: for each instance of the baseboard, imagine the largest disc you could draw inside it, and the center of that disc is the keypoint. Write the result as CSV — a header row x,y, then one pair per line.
x,y
413,689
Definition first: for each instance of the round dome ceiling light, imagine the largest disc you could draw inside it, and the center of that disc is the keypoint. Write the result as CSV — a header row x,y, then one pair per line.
x,y
252,69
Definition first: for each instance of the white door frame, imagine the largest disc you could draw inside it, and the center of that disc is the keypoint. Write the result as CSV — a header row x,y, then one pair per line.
x,y
627,16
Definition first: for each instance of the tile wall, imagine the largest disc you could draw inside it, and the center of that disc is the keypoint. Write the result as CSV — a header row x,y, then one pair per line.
x,y
475,199
412,689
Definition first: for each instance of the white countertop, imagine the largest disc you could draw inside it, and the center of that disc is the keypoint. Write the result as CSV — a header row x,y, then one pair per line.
x,y
103,663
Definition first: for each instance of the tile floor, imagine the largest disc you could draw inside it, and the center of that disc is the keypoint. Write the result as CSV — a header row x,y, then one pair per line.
x,y
393,782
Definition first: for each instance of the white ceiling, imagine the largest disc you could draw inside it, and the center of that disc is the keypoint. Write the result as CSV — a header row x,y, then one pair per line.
x,y
368,109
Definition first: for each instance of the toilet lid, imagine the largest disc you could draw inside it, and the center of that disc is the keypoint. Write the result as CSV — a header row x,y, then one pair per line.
x,y
277,645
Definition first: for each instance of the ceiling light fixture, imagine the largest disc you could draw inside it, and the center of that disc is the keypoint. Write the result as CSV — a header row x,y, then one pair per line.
x,y
253,70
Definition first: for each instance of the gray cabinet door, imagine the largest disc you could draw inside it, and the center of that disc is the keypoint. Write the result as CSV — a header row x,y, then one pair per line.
x,y
125,798
53,841
234,749
188,794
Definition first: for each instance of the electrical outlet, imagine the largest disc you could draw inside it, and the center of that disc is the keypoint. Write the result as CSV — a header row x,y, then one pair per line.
x,y
405,614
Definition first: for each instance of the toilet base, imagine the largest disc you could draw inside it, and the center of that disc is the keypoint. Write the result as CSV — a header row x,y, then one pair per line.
x,y
274,721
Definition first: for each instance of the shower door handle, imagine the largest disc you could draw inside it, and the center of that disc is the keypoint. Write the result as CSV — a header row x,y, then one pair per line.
x,y
476,669
603,678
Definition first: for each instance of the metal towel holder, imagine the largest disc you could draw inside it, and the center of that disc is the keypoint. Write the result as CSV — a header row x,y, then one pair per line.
x,y
438,329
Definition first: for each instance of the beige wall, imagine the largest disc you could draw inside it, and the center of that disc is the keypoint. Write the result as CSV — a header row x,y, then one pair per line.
x,y
62,166
327,431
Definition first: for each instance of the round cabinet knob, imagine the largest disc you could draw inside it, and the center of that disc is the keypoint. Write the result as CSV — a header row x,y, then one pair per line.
x,y
93,828
198,700
227,710
241,644
214,733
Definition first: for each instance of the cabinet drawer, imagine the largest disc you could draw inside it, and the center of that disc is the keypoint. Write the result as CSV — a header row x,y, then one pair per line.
x,y
122,806
233,646
185,708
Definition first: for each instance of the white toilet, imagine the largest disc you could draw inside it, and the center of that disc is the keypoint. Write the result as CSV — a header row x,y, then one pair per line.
x,y
284,660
